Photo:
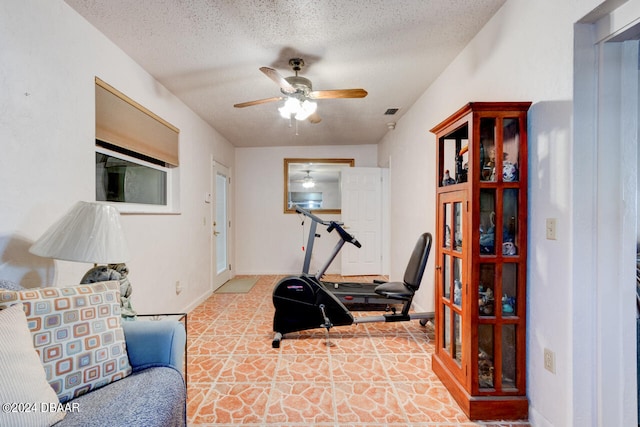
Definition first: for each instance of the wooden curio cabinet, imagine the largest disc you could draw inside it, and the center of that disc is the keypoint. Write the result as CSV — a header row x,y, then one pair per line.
x,y
481,254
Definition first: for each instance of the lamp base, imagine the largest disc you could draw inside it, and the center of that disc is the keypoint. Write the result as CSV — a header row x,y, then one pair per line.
x,y
118,272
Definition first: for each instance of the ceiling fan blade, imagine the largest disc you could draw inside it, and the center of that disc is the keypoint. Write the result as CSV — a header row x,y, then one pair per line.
x,y
280,81
314,118
258,102
338,93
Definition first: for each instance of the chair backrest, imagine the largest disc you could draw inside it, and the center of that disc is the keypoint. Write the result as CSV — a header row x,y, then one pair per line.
x,y
418,261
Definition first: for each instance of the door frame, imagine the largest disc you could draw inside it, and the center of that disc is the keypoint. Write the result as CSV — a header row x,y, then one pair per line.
x,y
604,201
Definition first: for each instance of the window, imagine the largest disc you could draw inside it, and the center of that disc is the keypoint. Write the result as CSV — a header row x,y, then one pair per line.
x,y
126,179
136,156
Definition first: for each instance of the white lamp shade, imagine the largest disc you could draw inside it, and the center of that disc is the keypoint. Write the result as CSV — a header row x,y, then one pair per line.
x,y
89,232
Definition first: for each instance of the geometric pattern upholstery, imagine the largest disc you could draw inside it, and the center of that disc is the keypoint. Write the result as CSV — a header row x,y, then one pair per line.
x,y
77,334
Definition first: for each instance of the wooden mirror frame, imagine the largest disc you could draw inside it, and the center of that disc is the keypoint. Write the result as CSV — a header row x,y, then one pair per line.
x,y
287,162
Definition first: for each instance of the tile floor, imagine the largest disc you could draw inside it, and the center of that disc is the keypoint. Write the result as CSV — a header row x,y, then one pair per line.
x,y
369,375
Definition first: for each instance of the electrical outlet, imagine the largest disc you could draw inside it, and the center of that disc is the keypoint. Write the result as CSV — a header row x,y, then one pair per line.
x,y
551,228
178,287
549,361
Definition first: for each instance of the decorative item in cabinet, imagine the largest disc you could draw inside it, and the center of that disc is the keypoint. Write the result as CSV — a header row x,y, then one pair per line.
x,y
481,255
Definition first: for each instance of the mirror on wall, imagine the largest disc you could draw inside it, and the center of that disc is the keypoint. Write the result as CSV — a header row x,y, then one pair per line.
x,y
313,184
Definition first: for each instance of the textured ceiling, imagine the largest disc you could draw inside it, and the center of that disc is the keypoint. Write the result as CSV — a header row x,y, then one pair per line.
x,y
208,52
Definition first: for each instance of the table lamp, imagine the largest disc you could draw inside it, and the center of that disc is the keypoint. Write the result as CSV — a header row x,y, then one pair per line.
x,y
91,233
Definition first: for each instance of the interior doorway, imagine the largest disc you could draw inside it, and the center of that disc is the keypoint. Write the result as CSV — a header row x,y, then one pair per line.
x,y
221,225
618,107
605,233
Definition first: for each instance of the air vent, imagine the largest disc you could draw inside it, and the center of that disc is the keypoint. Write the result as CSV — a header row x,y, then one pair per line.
x,y
391,111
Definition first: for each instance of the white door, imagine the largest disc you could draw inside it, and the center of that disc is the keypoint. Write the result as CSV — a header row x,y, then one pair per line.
x,y
362,215
221,225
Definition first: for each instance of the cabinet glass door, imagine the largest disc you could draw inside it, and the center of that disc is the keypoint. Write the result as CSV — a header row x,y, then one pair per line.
x,y
487,290
510,222
509,356
509,289
487,222
485,356
510,149
451,275
454,152
487,149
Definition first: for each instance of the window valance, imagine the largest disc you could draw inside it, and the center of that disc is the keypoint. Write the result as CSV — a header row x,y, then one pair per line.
x,y
122,122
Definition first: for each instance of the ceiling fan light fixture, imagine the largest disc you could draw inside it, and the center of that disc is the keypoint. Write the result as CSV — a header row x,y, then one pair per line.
x,y
307,108
301,110
290,107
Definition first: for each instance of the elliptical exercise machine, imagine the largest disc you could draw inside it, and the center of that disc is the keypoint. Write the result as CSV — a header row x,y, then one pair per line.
x,y
302,302
357,295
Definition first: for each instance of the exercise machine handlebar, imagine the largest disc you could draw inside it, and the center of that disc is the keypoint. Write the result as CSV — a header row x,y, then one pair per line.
x,y
331,225
312,216
343,234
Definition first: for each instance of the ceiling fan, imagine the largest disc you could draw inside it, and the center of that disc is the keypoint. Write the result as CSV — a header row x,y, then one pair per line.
x,y
298,93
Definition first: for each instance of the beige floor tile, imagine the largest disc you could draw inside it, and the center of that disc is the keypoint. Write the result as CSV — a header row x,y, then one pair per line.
x,y
373,375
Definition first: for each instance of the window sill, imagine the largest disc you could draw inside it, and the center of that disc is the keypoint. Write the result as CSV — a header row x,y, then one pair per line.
x,y
136,209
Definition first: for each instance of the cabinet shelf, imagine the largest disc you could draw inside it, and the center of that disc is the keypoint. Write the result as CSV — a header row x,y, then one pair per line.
x,y
481,247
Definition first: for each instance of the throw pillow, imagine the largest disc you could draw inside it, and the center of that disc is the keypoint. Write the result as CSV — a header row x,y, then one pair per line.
x,y
25,394
77,334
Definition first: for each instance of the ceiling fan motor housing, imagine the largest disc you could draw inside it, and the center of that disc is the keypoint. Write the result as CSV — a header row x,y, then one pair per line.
x,y
302,85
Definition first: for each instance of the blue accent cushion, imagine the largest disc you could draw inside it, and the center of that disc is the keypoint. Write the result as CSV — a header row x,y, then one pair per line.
x,y
155,343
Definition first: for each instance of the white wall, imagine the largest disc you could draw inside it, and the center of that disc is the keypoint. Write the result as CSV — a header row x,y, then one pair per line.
x,y
49,56
524,53
268,241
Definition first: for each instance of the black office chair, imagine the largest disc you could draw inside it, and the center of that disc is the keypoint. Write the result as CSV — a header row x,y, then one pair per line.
x,y
405,290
